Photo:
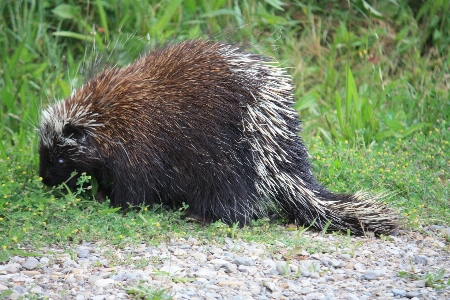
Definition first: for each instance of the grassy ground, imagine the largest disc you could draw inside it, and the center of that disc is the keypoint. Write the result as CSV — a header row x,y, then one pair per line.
x,y
371,88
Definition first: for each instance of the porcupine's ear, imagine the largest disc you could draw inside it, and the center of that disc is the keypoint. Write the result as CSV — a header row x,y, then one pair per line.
x,y
73,132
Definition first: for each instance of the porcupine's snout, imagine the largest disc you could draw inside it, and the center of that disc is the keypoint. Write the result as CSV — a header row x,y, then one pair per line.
x,y
55,170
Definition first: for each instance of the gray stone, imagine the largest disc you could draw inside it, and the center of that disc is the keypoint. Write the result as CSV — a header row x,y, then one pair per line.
x,y
44,261
120,276
337,263
421,260
398,292
420,283
36,290
352,297
216,250
238,260
423,291
273,271
201,257
104,262
242,268
276,295
219,262
19,289
306,273
359,267
94,278
103,282
371,274
12,268
131,276
203,272
412,294
231,268
314,296
270,285
307,290
268,263
436,227
71,279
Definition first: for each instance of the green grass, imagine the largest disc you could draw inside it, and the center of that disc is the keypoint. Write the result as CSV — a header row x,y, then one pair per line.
x,y
371,87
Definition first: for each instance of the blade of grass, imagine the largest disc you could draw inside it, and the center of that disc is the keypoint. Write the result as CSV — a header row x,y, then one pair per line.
x,y
74,35
103,19
169,12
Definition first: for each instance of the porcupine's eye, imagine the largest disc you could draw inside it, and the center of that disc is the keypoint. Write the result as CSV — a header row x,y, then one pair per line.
x,y
61,161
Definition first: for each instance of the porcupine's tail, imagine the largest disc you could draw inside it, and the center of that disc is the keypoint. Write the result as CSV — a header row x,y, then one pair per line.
x,y
284,171
360,212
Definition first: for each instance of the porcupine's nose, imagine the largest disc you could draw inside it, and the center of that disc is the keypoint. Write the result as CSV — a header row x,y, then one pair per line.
x,y
47,178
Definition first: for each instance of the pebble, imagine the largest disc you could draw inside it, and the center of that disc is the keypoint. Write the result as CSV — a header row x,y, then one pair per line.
x,y
371,274
352,297
231,268
397,292
36,290
30,264
190,269
243,261
420,283
412,294
31,273
307,290
103,282
44,261
12,268
229,282
421,260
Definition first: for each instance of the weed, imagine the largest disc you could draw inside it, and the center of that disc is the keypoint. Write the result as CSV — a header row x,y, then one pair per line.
x,y
351,245
432,279
325,228
142,292
233,230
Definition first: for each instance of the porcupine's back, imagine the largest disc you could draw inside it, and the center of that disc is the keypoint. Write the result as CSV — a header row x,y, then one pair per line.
x,y
201,123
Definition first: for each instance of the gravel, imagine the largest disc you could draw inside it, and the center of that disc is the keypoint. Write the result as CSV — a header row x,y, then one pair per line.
x,y
359,268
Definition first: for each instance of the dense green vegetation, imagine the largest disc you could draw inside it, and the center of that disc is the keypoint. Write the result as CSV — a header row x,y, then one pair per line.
x,y
371,83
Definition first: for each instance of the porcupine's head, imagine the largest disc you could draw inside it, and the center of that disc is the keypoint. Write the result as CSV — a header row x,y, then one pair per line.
x,y
65,142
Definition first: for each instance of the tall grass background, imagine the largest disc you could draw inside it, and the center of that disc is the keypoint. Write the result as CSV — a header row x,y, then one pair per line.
x,y
360,70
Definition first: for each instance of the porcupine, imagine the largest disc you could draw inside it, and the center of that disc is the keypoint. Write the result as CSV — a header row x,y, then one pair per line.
x,y
203,123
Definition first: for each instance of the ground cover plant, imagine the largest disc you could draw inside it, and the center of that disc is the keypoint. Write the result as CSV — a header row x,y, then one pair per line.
x,y
371,87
